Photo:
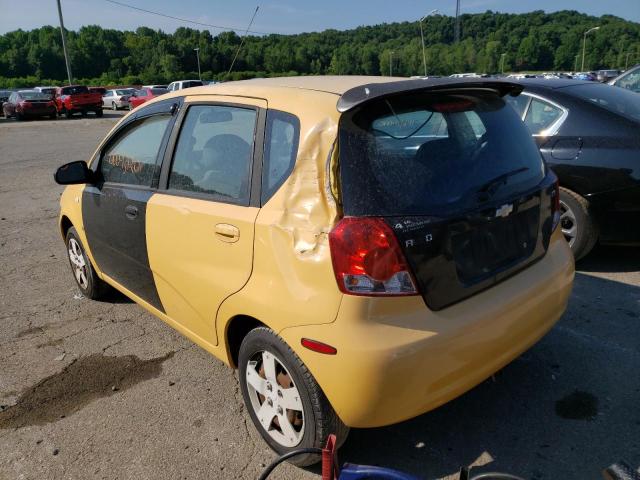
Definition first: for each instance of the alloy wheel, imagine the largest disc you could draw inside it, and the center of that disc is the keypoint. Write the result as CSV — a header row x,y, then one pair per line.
x,y
275,399
78,263
568,223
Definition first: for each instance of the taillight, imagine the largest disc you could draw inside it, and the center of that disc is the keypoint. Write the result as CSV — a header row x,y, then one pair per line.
x,y
367,259
555,205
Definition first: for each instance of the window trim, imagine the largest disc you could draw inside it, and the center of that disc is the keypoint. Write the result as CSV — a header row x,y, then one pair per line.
x,y
552,129
255,164
153,110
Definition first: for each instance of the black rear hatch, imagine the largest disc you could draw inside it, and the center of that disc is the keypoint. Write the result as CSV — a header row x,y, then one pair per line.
x,y
458,178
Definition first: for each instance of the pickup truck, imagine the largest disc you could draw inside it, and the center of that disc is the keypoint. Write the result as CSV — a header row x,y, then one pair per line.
x,y
77,98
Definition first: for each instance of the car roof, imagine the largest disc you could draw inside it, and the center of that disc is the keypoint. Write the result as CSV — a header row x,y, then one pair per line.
x,y
353,90
551,83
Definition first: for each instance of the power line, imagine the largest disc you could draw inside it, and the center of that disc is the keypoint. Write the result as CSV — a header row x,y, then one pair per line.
x,y
186,20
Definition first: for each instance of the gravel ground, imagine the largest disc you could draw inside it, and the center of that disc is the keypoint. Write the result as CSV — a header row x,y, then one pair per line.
x,y
103,390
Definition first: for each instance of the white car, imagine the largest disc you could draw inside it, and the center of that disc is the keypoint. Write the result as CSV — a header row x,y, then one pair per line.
x,y
180,84
48,90
117,98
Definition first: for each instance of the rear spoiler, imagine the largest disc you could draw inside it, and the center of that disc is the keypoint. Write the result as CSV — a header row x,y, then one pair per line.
x,y
365,93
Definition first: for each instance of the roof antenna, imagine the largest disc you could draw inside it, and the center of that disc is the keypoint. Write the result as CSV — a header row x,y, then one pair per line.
x,y
242,42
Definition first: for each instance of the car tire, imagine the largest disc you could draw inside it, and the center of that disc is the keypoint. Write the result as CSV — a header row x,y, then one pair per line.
x,y
85,275
53,116
68,113
578,225
99,112
308,427
19,117
114,107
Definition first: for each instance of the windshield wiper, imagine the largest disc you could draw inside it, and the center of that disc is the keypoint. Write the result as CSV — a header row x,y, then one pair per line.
x,y
489,188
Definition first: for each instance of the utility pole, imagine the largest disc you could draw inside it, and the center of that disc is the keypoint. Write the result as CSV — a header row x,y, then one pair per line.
x,y
456,32
197,50
502,57
584,43
64,44
424,56
391,63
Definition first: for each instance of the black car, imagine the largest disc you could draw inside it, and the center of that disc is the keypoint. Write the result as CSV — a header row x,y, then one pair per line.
x,y
589,134
4,96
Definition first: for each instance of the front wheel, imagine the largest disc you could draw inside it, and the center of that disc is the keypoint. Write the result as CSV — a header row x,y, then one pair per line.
x,y
87,280
578,226
283,399
114,107
99,112
68,113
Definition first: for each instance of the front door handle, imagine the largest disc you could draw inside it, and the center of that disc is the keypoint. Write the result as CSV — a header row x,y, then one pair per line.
x,y
227,233
131,212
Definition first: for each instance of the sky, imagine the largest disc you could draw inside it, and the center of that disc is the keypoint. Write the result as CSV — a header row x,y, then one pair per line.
x,y
279,16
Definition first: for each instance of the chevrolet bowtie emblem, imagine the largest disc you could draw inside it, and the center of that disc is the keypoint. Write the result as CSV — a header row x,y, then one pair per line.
x,y
504,210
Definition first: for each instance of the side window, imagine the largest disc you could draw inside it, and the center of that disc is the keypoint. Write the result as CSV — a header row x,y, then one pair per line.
x,y
214,153
133,157
280,152
519,103
541,115
631,81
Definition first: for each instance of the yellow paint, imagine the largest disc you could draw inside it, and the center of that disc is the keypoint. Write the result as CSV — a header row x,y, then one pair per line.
x,y
396,358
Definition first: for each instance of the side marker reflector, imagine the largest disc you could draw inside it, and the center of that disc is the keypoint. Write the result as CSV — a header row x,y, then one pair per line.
x,y
318,346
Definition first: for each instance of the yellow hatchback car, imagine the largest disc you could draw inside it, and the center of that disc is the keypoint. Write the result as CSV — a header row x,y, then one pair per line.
x,y
361,249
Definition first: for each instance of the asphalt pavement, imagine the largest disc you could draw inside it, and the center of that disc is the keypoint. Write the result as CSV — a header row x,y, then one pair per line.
x,y
103,390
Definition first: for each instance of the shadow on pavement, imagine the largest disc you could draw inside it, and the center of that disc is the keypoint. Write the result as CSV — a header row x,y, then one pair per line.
x,y
611,259
567,408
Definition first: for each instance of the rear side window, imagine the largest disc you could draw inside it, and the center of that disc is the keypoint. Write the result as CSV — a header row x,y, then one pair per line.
x,y
434,154
630,81
281,150
133,158
541,115
214,153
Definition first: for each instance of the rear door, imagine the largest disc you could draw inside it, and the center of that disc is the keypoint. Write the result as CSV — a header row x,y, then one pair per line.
x,y
200,225
114,210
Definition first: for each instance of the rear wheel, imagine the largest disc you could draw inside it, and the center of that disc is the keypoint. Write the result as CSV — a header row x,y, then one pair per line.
x,y
68,113
578,226
114,106
99,112
86,278
283,399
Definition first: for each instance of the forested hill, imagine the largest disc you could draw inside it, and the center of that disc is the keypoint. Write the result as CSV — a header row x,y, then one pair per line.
x,y
531,41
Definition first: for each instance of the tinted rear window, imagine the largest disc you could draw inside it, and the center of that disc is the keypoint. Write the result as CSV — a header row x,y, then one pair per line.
x,y
35,96
617,100
74,90
195,83
159,91
430,154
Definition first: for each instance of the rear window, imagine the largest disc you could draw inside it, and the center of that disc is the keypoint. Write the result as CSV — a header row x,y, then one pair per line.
x,y
430,154
159,91
617,100
35,96
74,90
195,83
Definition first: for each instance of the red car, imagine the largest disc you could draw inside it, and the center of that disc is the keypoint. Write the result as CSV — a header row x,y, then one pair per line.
x,y
29,103
144,95
77,98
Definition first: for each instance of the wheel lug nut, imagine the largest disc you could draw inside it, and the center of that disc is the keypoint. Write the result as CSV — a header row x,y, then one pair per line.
x,y
269,387
280,411
269,402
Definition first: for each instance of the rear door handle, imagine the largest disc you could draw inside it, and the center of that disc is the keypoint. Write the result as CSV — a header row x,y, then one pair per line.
x,y
227,233
131,212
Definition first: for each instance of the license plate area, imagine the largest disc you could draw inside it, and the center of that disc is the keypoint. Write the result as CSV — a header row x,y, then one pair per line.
x,y
492,246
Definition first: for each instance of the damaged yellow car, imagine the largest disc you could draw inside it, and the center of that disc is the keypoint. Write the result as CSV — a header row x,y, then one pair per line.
x,y
361,249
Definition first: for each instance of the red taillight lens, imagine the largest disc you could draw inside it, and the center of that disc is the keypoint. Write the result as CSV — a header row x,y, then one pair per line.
x,y
555,205
367,259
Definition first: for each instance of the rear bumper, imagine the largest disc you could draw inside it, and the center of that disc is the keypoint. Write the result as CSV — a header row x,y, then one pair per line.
x,y
397,359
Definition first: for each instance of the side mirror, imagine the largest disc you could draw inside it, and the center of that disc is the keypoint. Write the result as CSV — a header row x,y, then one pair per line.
x,y
73,173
